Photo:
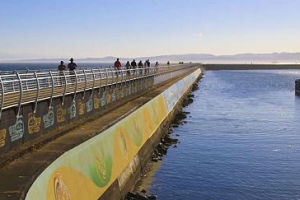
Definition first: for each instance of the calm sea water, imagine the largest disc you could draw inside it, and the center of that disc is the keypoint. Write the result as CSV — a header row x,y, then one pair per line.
x,y
241,140
47,66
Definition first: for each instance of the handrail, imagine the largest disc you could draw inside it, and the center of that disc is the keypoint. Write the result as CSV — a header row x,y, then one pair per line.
x,y
37,91
85,84
76,84
65,88
2,97
17,86
52,89
20,94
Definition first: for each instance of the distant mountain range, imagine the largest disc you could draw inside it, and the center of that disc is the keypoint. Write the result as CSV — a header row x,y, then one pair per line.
x,y
291,58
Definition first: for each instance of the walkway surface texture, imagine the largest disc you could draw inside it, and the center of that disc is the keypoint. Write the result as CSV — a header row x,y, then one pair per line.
x,y
17,176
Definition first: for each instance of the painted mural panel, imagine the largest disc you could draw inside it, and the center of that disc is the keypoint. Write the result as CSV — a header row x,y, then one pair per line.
x,y
34,123
16,131
114,94
61,113
2,137
103,99
81,107
72,110
123,90
108,97
86,171
48,119
89,104
96,102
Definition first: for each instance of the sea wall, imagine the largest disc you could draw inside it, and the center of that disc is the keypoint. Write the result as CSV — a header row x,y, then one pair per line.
x,y
249,66
105,166
25,127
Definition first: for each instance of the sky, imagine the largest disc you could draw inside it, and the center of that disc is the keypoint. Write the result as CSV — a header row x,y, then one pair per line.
x,y
32,29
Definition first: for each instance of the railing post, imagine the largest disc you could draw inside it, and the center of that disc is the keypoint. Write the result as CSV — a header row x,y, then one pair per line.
x,y
37,91
65,88
52,90
13,83
100,80
76,82
85,83
2,97
93,81
26,80
20,94
122,71
106,78
112,77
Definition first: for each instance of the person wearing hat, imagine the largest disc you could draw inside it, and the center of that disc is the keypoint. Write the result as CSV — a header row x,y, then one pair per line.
x,y
72,66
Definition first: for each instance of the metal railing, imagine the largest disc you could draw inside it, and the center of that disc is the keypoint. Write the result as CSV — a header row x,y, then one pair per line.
x,y
19,88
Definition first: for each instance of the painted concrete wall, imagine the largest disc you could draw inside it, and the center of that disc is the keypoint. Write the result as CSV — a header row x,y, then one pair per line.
x,y
88,170
16,130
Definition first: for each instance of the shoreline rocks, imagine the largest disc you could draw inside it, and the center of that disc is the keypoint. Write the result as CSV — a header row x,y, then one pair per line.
x,y
166,142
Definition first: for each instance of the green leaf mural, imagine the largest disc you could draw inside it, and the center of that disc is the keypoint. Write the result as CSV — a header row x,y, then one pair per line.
x,y
101,169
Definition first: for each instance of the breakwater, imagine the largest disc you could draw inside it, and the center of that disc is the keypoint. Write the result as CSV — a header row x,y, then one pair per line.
x,y
98,162
112,158
249,66
44,104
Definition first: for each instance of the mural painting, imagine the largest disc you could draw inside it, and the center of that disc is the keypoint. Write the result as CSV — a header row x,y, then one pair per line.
x,y
96,102
89,104
61,113
113,95
128,89
103,99
34,123
108,97
61,190
81,107
123,90
135,86
118,92
87,171
16,131
48,119
120,140
72,110
2,137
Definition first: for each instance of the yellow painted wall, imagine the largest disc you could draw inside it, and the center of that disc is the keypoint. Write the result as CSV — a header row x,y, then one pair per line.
x,y
86,171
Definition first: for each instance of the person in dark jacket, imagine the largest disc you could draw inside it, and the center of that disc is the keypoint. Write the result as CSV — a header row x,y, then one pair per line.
x,y
140,65
72,66
133,65
61,68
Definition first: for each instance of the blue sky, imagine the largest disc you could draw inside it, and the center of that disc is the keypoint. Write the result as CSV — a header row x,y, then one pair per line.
x,y
133,28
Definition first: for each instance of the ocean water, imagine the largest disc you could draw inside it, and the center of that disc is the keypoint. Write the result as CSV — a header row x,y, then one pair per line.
x,y
47,66
241,140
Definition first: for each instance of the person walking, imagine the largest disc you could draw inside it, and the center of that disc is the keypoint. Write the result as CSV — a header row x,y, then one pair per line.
x,y
133,65
61,68
156,66
117,66
147,66
140,65
128,66
72,67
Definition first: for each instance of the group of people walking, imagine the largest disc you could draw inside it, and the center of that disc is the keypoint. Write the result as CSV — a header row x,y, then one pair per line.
x,y
71,66
133,67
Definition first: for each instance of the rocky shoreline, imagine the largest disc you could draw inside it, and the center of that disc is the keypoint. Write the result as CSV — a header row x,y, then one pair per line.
x,y
162,148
